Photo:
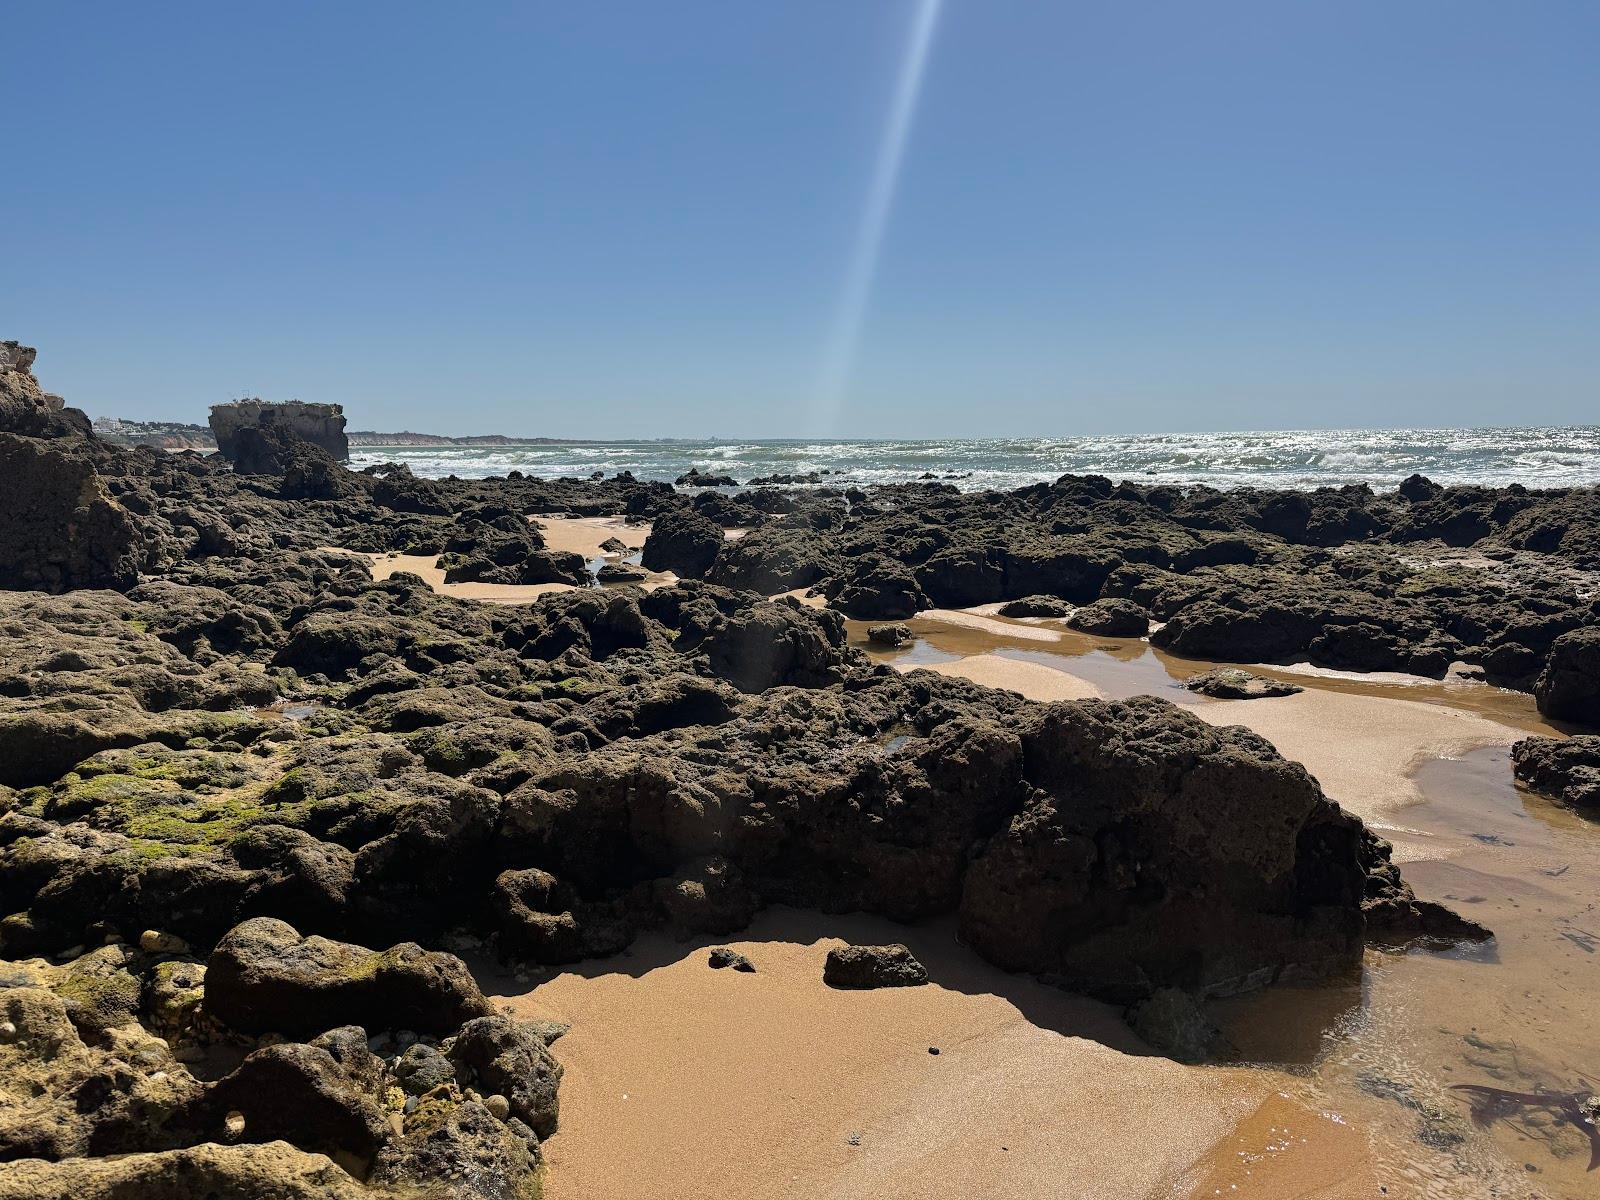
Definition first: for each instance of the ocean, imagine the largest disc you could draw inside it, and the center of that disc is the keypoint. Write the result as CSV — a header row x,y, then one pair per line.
x,y
1535,457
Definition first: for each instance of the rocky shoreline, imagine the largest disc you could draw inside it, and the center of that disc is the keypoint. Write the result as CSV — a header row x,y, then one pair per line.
x,y
250,797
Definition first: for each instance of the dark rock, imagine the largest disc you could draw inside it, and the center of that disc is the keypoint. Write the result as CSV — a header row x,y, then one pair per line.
x,y
421,1068
321,425
508,1058
298,1094
879,589
265,977
684,542
1232,683
1111,617
722,956
872,967
462,1149
695,477
771,644
1036,606
62,528
894,634
1568,688
1171,1022
708,895
1562,769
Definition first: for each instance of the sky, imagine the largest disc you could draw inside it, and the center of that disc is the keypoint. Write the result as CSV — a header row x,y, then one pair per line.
x,y
850,217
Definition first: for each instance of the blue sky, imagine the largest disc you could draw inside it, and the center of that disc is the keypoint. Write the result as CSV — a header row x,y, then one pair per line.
x,y
637,219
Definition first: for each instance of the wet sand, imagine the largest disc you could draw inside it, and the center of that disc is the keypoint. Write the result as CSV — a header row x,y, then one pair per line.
x,y
1424,761
682,1081
1362,739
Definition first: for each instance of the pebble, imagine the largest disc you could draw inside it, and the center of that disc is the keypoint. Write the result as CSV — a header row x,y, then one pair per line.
x,y
404,1038
499,1107
8,1031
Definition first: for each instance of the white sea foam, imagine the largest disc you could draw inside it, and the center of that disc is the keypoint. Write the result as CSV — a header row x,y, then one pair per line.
x,y
1542,457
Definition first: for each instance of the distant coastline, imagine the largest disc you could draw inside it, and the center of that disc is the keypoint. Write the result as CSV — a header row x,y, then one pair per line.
x,y
180,435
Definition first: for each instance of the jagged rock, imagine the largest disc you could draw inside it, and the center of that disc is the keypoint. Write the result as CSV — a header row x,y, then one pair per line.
x,y
1568,688
872,967
28,409
722,957
879,589
263,976
1111,617
684,542
779,643
62,529
299,1094
508,1057
1231,683
480,1157
1564,769
695,477
322,425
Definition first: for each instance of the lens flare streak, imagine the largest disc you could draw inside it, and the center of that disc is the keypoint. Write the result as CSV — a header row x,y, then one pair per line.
x,y
844,334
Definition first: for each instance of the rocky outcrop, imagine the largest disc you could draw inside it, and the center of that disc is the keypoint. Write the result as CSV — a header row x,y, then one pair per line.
x,y
695,477
1112,616
320,424
274,1171
1564,769
1568,688
62,529
264,976
25,407
682,541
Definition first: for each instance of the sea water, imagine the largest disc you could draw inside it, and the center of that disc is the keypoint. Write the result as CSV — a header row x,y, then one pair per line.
x,y
1534,457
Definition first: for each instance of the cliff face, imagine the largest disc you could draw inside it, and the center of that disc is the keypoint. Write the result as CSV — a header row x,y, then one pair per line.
x,y
25,407
61,528
320,424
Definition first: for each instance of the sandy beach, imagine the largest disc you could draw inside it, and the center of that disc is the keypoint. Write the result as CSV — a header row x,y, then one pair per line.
x,y
682,1081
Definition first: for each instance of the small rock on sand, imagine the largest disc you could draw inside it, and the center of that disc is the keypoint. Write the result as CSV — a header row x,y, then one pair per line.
x,y
721,957
873,967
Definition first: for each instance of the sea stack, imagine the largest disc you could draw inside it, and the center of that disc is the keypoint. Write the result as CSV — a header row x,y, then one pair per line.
x,y
320,424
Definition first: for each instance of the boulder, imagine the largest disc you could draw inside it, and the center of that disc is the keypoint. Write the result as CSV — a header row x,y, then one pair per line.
x,y
1568,688
1232,683
1111,617
873,967
263,976
508,1057
784,642
684,542
695,477
1562,769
